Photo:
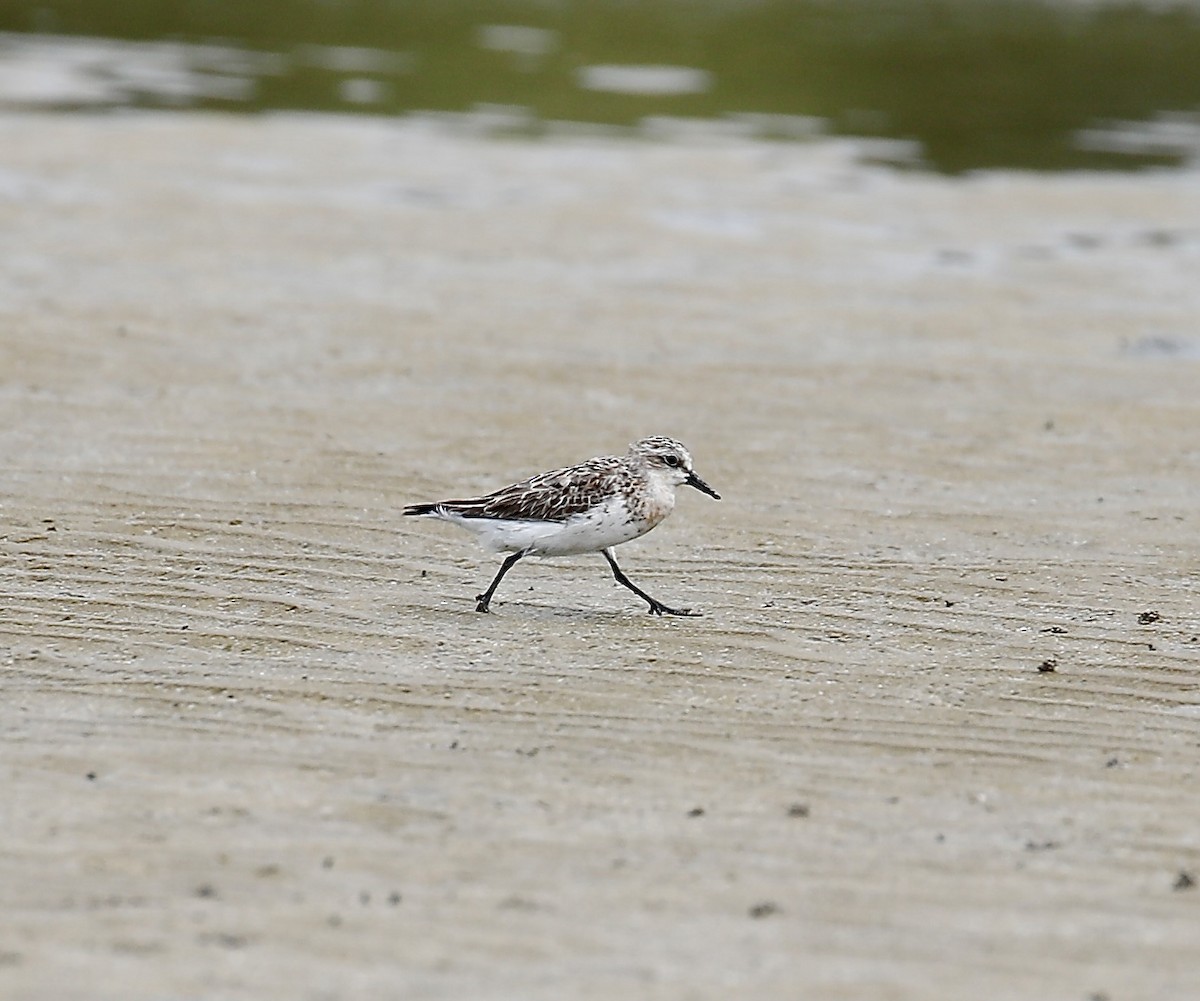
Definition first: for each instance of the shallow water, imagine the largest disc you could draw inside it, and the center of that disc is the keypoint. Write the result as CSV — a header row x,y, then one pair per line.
x,y
959,85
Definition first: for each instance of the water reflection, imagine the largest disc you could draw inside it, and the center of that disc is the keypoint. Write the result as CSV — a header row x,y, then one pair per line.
x,y
657,81
965,83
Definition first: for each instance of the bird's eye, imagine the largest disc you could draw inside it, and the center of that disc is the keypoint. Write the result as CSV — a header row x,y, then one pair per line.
x,y
671,460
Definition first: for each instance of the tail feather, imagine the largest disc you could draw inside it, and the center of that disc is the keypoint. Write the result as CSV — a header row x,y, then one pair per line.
x,y
458,508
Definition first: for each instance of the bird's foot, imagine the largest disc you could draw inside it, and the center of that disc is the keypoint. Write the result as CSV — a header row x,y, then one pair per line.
x,y
658,608
482,601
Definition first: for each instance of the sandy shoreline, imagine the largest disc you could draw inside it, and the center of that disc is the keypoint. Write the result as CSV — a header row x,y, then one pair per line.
x,y
256,741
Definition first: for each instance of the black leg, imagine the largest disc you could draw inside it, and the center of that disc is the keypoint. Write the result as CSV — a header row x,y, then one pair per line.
x,y
485,599
656,606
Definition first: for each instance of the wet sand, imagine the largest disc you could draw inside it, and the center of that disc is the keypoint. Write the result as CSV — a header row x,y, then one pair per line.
x,y
937,735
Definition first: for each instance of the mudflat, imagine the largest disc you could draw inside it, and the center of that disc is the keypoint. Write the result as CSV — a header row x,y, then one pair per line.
x,y
937,735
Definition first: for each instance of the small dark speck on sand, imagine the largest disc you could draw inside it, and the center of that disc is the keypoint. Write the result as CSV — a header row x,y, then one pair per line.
x,y
764,910
1184,881
696,811
225,940
1146,618
1084,241
798,810
1160,237
1048,666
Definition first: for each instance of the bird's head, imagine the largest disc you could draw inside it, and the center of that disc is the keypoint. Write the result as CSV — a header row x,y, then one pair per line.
x,y
667,458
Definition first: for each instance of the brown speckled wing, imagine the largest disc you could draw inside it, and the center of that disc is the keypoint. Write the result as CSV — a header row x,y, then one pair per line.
x,y
552,496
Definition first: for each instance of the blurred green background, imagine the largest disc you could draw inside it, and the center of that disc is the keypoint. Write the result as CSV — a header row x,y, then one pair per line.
x,y
977,83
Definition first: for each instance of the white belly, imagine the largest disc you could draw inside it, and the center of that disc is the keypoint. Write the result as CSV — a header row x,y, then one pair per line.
x,y
604,526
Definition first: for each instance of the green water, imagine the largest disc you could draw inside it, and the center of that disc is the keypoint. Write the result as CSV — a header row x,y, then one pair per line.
x,y
1006,83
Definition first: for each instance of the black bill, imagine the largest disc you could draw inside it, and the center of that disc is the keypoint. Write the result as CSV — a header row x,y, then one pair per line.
x,y
694,481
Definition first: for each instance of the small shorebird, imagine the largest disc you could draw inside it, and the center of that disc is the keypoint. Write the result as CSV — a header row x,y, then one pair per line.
x,y
586,508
